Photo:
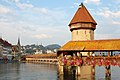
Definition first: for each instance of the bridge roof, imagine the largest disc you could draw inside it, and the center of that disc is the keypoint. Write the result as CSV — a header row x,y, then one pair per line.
x,y
42,55
92,45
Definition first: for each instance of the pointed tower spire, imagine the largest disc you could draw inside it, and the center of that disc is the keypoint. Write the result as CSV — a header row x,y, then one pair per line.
x,y
82,15
19,49
18,41
81,5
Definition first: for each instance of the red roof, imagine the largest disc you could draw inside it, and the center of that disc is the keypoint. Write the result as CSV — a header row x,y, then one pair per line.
x,y
5,43
82,15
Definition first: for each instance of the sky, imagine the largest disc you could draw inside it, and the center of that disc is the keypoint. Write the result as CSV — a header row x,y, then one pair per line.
x,y
46,21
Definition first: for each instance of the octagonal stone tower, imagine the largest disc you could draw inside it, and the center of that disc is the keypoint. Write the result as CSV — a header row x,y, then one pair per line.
x,y
82,25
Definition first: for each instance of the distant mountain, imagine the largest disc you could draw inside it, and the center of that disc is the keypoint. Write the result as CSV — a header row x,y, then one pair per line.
x,y
41,47
53,46
32,48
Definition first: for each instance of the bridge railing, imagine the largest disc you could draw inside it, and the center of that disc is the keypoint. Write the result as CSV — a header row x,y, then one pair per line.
x,y
94,61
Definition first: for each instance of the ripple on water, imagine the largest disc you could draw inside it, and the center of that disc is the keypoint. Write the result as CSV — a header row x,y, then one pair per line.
x,y
30,71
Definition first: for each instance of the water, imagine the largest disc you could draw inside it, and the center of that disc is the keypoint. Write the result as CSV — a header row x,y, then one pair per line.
x,y
30,71
27,71
115,73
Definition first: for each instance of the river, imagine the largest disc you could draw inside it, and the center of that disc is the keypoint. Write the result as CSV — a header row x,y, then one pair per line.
x,y
31,71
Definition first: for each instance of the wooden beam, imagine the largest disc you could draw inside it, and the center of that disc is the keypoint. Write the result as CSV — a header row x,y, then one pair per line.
x,y
108,53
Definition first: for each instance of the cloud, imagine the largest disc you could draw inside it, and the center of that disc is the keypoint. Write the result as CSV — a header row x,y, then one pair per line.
x,y
115,14
75,5
16,1
104,13
107,36
111,17
116,22
4,10
24,5
20,4
40,10
92,1
41,36
28,28
103,36
108,13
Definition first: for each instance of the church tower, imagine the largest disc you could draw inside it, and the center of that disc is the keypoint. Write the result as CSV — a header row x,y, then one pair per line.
x,y
19,49
82,25
18,43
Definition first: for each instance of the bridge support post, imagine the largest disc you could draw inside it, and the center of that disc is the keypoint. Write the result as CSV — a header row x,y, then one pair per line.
x,y
93,70
60,67
61,72
107,72
78,70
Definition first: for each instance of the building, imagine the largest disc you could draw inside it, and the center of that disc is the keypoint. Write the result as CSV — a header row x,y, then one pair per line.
x,y
82,45
5,48
82,25
49,51
16,51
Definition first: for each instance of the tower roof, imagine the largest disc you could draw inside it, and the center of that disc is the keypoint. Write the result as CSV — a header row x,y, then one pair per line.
x,y
82,15
18,43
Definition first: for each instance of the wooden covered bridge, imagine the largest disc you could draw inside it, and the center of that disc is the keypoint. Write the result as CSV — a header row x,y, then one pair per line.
x,y
42,58
83,53
89,53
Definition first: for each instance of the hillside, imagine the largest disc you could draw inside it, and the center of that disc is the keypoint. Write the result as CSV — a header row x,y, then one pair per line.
x,y
53,46
33,48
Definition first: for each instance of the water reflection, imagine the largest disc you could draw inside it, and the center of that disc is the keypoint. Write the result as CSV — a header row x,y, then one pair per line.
x,y
71,75
100,75
85,77
7,71
74,77
29,71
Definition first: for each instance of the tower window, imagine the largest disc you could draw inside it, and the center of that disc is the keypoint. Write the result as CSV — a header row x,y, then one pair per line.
x,y
90,32
77,32
85,32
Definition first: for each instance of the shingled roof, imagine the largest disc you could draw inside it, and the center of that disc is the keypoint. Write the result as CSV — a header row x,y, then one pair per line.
x,y
42,55
82,15
92,45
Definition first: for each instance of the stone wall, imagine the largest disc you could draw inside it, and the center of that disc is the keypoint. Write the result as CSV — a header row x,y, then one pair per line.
x,y
82,31
82,34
